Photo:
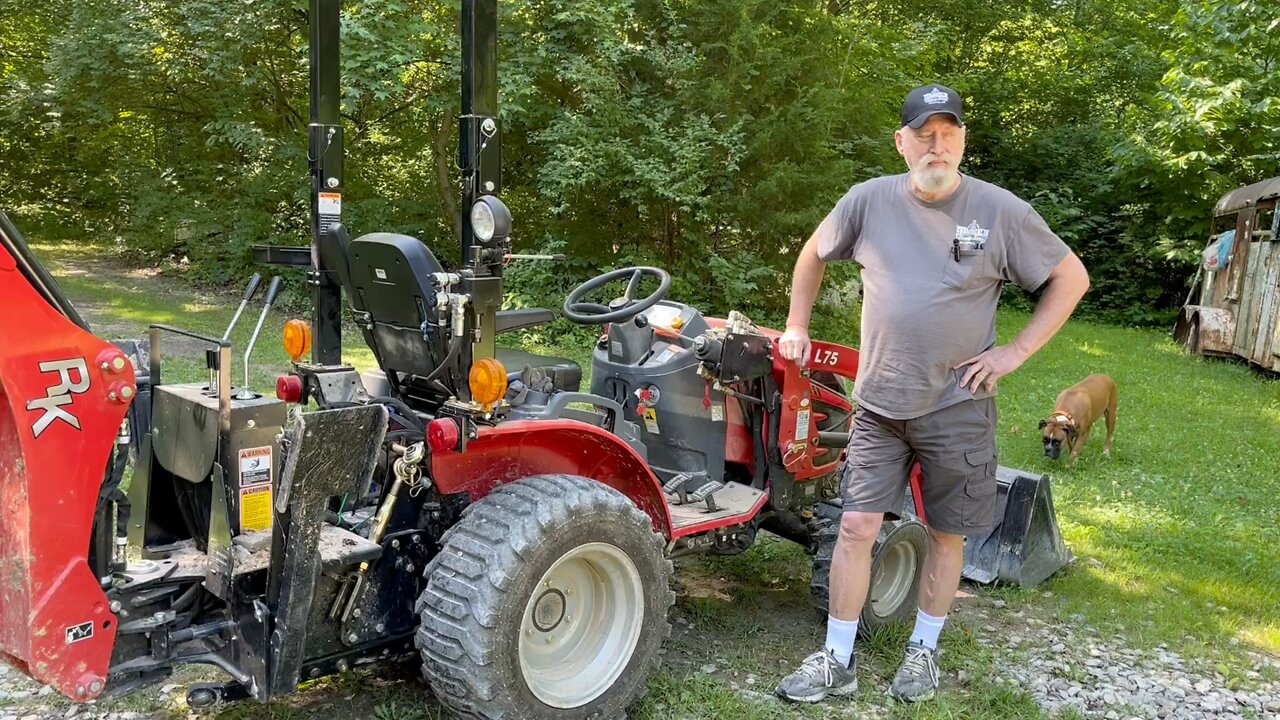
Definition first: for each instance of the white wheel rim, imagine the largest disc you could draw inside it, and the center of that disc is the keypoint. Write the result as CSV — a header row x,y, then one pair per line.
x,y
581,625
893,578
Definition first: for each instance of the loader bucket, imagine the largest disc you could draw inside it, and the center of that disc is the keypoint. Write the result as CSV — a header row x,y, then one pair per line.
x,y
63,396
1026,547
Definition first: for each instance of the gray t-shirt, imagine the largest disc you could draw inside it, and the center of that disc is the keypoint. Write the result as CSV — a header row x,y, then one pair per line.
x,y
924,311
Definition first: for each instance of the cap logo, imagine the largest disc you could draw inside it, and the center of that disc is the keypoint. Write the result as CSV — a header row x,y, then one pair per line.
x,y
936,97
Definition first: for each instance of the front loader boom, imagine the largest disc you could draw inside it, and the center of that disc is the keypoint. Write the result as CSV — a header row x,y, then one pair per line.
x,y
63,396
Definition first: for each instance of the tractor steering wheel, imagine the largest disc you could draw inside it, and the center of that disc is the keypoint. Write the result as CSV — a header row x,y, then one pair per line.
x,y
623,308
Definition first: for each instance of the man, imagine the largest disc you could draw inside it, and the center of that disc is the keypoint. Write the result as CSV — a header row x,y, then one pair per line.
x,y
935,248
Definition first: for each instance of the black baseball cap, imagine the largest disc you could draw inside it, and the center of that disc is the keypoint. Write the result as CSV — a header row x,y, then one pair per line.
x,y
929,100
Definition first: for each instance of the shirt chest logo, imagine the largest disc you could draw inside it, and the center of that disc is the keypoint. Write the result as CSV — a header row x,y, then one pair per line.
x,y
972,237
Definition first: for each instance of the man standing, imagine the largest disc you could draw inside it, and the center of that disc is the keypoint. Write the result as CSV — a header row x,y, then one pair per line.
x,y
935,248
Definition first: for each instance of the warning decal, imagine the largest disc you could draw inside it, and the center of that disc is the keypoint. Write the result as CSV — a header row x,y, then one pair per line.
x,y
76,633
802,425
255,508
330,203
651,420
255,466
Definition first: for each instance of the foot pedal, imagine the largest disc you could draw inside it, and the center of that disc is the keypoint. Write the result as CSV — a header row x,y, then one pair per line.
x,y
707,492
674,488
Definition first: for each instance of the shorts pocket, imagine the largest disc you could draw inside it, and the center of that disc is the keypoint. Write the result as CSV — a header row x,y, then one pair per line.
x,y
978,506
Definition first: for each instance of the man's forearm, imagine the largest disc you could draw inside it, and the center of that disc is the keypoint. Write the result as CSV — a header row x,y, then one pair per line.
x,y
1066,286
805,282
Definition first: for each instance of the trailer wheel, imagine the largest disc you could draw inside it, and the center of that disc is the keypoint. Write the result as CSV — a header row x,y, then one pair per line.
x,y
897,561
549,599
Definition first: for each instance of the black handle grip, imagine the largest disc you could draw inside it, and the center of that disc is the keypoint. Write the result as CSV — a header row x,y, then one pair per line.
x,y
272,290
254,283
834,440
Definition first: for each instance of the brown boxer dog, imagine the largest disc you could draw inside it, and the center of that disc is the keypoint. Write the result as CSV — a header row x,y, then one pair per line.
x,y
1077,408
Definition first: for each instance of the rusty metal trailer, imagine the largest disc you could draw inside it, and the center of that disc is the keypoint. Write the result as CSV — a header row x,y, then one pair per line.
x,y
1233,308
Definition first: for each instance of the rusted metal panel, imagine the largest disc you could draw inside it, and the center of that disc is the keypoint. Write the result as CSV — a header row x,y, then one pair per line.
x,y
1244,197
1217,329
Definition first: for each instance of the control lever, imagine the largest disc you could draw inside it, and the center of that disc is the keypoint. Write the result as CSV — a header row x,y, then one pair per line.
x,y
249,292
272,290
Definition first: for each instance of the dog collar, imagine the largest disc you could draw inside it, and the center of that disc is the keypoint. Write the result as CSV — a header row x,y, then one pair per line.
x,y
1062,417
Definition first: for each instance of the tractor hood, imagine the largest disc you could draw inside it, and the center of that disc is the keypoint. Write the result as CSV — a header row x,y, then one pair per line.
x,y
63,396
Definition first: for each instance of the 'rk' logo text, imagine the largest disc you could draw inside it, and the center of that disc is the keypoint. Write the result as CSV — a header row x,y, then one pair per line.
x,y
60,394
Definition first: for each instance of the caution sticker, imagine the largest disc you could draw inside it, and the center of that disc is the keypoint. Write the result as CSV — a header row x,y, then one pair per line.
x,y
83,631
717,413
651,420
255,466
330,203
802,425
255,508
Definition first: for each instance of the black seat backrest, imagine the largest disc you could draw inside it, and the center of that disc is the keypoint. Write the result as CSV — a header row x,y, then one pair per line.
x,y
334,248
390,278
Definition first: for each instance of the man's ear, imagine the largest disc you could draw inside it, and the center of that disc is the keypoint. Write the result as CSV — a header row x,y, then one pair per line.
x,y
1043,423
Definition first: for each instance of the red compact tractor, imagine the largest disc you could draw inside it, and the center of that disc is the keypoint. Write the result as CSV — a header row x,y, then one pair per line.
x,y
465,502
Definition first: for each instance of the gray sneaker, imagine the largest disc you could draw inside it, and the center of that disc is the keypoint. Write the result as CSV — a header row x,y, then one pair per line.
x,y
917,679
819,675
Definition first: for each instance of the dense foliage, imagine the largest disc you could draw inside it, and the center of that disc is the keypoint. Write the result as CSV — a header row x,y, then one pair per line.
x,y
707,137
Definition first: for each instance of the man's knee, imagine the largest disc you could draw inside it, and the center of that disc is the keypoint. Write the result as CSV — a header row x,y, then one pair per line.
x,y
860,528
944,542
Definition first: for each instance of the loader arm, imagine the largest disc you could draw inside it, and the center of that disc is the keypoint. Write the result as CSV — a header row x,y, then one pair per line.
x,y
63,396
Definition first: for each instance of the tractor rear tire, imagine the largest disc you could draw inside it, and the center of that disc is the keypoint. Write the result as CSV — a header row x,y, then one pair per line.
x,y
897,563
549,599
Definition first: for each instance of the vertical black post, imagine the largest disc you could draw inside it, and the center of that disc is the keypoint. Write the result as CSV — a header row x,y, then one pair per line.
x,y
479,133
480,157
325,156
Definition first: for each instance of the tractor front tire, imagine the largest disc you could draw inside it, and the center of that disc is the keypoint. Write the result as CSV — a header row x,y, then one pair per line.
x,y
897,562
549,599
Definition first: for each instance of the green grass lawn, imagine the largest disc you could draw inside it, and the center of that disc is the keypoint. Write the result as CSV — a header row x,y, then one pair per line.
x,y
1178,529
1175,535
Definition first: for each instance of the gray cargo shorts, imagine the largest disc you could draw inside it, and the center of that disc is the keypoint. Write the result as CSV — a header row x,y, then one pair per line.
x,y
957,453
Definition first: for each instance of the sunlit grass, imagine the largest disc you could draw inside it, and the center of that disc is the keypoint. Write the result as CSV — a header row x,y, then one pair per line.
x,y
1185,513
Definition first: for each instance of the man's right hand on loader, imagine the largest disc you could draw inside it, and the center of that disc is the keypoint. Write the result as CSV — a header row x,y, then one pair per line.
x,y
794,344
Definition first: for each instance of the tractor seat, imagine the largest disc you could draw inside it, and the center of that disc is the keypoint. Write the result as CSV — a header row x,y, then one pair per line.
x,y
389,279
565,374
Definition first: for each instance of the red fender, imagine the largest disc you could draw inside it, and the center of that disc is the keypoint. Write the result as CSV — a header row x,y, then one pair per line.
x,y
63,396
513,450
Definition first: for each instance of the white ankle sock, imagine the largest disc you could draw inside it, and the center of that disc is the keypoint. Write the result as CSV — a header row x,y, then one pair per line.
x,y
927,629
840,637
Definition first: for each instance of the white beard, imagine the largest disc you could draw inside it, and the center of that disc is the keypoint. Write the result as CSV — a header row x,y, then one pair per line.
x,y
933,180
